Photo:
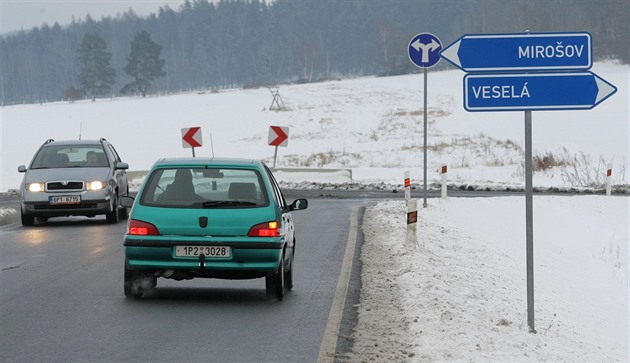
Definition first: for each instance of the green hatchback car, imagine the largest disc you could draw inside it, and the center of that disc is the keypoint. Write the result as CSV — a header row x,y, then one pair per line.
x,y
209,218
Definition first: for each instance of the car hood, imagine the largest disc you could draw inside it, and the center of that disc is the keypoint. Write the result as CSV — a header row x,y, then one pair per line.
x,y
61,174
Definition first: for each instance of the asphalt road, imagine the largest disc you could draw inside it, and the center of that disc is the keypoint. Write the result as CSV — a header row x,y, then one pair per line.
x,y
62,298
61,294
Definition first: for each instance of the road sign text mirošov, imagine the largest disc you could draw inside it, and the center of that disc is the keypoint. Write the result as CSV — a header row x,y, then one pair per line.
x,y
521,52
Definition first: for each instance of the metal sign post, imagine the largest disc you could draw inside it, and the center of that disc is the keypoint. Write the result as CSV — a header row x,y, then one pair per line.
x,y
424,203
529,217
424,52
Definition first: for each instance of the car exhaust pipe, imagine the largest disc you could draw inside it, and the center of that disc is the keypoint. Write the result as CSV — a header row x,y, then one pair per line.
x,y
166,273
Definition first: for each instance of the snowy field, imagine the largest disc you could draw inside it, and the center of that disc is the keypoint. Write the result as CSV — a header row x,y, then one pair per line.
x,y
460,294
371,125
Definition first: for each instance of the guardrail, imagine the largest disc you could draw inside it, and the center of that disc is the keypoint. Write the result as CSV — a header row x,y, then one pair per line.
x,y
315,175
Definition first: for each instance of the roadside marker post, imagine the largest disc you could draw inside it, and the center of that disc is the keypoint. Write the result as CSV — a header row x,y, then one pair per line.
x,y
407,187
412,223
526,84
444,186
609,180
412,215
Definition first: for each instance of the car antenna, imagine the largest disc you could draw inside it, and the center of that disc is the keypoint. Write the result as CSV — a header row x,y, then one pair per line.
x,y
80,129
211,145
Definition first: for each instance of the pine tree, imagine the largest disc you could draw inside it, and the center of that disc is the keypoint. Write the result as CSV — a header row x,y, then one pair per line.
x,y
144,64
96,77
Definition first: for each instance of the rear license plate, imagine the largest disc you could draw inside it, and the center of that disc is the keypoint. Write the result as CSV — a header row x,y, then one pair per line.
x,y
208,251
65,199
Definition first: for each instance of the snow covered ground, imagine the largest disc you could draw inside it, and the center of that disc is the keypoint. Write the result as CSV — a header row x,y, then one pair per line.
x,y
460,294
371,125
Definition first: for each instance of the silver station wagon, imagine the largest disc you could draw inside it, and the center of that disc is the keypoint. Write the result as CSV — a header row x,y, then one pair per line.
x,y
73,178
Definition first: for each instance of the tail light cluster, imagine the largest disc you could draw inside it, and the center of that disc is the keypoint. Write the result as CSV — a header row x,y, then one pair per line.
x,y
141,228
267,229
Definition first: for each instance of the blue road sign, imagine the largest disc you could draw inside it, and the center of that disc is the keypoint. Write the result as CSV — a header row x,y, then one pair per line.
x,y
424,50
536,91
521,52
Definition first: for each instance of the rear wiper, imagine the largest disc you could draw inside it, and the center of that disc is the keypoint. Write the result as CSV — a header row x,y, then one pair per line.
x,y
225,203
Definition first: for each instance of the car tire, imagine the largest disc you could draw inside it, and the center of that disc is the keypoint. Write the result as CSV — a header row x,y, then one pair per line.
x,y
113,216
27,220
123,213
288,276
274,283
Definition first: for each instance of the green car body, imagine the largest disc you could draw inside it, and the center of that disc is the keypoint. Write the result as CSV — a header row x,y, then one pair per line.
x,y
209,218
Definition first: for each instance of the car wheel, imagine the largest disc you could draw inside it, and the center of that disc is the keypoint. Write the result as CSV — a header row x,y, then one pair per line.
x,y
27,220
137,284
274,283
113,216
288,275
123,213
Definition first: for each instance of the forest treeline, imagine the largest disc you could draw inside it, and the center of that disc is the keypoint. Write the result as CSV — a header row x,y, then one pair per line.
x,y
243,43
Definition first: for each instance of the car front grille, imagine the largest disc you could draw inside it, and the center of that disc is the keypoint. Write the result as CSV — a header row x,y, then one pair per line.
x,y
43,207
65,185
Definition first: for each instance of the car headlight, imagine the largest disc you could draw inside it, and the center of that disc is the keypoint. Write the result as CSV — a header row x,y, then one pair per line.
x,y
35,187
95,185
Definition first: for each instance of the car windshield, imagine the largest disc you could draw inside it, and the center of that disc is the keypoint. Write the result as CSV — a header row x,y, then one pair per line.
x,y
70,156
204,188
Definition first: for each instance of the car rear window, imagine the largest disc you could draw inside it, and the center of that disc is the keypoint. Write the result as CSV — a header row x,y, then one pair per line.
x,y
204,188
70,156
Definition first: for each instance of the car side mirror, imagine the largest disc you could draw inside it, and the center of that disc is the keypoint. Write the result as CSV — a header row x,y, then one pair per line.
x,y
122,166
299,204
22,169
126,201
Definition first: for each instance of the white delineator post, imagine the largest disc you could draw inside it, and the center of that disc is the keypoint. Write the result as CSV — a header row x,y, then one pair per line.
x,y
444,189
412,215
407,187
609,180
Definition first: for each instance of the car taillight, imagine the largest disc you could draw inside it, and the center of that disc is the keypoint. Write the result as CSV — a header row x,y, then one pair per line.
x,y
140,228
267,229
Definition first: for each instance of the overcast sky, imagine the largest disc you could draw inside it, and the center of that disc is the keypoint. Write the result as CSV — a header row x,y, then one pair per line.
x,y
26,14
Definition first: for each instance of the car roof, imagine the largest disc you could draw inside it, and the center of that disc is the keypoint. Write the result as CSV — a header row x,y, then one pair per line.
x,y
74,142
205,161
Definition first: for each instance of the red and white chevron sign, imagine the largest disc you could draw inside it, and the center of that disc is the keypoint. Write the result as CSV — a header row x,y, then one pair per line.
x,y
278,136
191,137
